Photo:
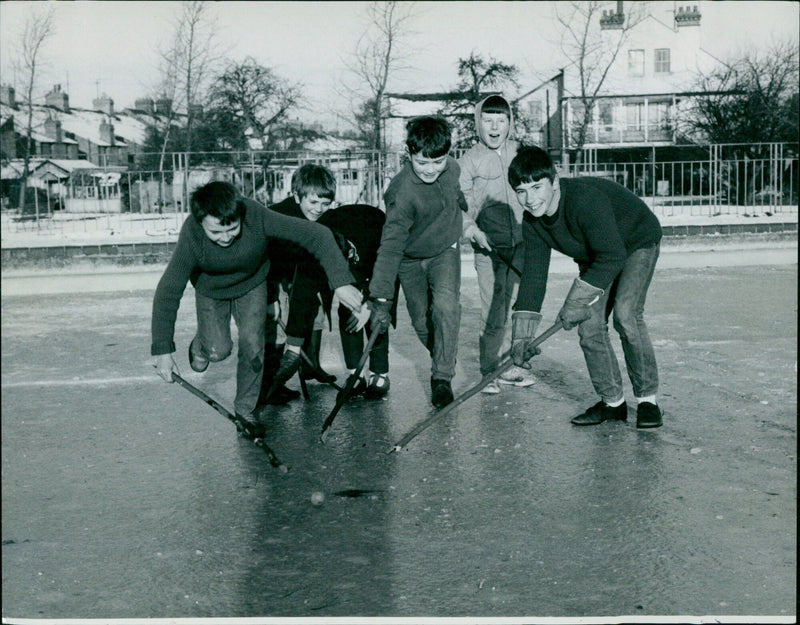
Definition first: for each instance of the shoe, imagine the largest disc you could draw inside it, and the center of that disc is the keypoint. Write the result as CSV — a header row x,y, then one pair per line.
x,y
602,412
359,388
282,395
491,389
196,361
648,415
311,348
441,392
249,427
517,376
378,386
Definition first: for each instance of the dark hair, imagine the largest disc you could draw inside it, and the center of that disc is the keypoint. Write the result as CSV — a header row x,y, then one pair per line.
x,y
218,199
316,179
429,136
529,165
496,104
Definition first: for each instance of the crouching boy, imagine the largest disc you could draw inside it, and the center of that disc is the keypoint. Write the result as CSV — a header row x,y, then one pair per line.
x,y
223,250
614,238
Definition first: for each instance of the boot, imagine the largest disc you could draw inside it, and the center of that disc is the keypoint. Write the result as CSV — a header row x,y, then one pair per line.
x,y
311,348
272,362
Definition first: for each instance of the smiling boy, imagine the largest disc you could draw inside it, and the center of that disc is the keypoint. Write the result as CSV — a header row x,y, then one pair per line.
x,y
614,238
419,244
222,250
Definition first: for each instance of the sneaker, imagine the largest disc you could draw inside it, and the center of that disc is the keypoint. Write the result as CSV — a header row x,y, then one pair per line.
x,y
249,427
491,389
517,376
378,386
602,412
648,415
441,392
197,361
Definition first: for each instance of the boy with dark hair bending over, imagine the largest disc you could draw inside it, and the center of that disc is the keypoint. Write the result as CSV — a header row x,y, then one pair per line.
x,y
424,209
223,250
614,238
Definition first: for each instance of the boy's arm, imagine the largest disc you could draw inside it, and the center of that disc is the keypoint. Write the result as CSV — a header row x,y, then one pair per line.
x,y
168,294
394,239
466,181
533,283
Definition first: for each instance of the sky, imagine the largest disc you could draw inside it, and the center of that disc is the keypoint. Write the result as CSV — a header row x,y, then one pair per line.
x,y
111,47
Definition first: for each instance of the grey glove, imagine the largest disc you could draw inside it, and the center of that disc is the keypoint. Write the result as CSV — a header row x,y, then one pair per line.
x,y
523,329
380,315
576,307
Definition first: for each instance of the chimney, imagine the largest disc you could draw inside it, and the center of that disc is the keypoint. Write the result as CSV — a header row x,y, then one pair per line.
x,y
107,131
163,106
104,104
611,20
687,16
57,99
7,96
146,105
52,129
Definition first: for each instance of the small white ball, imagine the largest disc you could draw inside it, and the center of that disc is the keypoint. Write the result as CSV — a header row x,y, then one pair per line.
x,y
317,498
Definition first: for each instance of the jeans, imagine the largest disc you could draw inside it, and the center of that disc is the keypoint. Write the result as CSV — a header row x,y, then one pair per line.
x,y
431,287
626,298
498,285
214,339
353,345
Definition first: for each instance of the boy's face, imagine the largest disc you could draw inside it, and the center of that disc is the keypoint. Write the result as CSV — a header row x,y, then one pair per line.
x,y
494,129
219,234
313,205
536,197
426,168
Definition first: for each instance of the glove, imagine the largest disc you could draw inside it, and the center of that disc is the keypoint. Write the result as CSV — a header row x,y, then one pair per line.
x,y
358,319
523,329
290,363
576,307
380,315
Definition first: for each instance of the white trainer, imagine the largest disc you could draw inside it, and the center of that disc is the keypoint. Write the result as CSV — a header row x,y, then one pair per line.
x,y
517,376
491,388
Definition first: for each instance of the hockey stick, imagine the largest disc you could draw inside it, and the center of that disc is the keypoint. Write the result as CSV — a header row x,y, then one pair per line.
x,y
237,421
505,364
343,395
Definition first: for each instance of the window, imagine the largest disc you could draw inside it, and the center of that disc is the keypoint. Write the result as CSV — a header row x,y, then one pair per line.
x,y
535,112
636,62
606,114
634,115
350,176
661,61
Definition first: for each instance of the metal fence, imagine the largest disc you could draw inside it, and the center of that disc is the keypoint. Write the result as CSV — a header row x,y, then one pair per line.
x,y
715,180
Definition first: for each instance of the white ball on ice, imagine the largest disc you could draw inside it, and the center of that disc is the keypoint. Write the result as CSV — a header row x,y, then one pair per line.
x,y
317,498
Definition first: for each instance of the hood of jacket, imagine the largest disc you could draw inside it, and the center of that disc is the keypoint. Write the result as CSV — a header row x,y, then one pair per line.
x,y
479,110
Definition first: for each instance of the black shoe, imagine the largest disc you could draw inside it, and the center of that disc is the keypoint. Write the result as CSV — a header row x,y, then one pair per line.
x,y
378,386
318,375
442,393
602,412
359,388
249,427
196,361
648,415
282,395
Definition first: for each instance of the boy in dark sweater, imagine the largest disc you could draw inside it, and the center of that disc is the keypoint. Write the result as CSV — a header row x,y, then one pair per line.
x,y
614,238
223,250
424,213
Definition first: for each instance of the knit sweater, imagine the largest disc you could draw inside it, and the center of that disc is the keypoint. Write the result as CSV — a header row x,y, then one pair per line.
x,y
422,220
230,272
598,223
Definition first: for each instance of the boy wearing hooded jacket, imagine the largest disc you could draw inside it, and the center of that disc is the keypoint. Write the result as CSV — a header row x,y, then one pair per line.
x,y
494,228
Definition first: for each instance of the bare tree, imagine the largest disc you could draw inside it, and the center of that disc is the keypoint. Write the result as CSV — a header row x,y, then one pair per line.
x,y
750,99
379,54
39,27
593,51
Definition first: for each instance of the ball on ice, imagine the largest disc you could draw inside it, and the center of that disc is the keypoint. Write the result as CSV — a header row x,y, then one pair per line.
x,y
317,498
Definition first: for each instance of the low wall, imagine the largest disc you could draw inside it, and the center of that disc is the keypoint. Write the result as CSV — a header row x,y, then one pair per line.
x,y
128,254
